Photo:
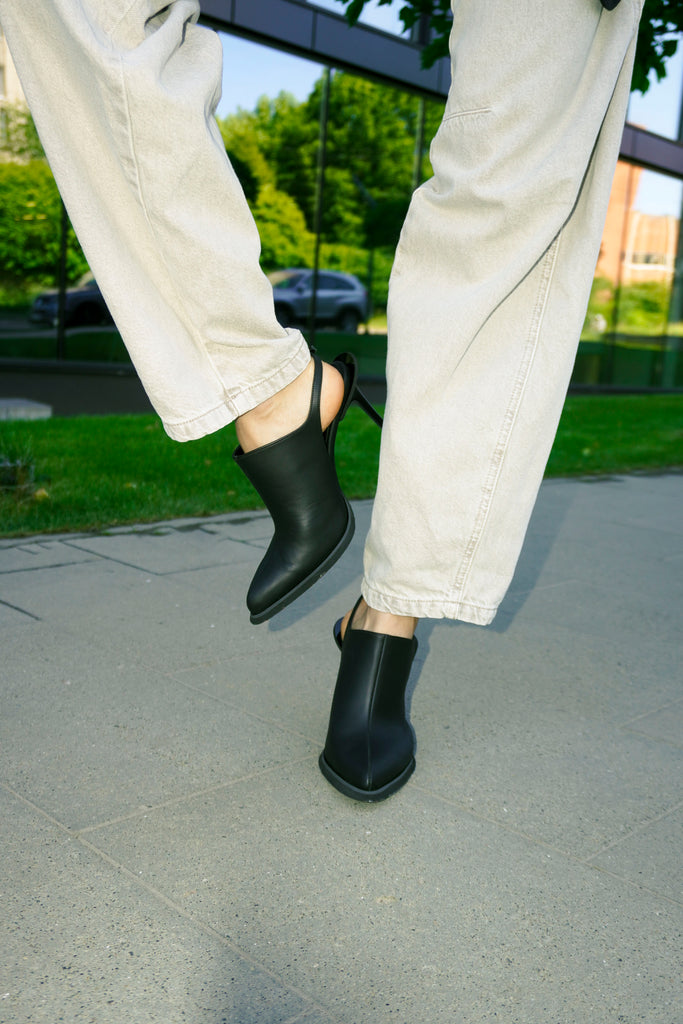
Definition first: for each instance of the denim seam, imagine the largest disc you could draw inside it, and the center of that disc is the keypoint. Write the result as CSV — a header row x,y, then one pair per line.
x,y
498,458
143,203
478,111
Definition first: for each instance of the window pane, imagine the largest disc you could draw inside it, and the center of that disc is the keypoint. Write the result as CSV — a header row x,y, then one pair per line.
x,y
385,17
634,327
659,110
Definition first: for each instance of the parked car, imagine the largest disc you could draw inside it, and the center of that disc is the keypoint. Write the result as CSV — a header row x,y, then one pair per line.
x,y
83,306
341,300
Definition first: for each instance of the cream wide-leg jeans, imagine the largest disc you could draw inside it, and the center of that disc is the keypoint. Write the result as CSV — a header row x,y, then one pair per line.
x,y
489,287
123,94
488,295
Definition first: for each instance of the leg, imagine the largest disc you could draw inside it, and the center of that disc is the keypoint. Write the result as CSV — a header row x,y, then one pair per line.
x,y
488,295
487,298
123,95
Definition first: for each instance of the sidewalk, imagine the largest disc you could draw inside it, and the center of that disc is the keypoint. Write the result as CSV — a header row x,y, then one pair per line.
x,y
171,854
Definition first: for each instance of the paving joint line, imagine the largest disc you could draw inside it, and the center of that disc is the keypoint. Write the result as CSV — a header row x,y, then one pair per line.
x,y
649,736
144,811
652,711
567,855
636,831
153,572
202,926
235,707
22,611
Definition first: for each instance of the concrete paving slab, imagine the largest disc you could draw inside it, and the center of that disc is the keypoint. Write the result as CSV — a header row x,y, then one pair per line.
x,y
13,616
664,724
297,700
162,759
529,741
109,741
28,555
650,857
24,409
84,941
411,910
643,500
122,606
599,611
182,549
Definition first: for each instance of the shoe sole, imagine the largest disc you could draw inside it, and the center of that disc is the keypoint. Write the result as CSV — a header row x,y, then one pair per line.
x,y
366,795
257,617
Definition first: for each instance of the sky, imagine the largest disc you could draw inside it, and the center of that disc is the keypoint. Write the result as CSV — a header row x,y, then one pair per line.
x,y
659,111
251,71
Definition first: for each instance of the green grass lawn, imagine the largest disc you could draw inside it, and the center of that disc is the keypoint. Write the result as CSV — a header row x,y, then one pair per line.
x,y
94,472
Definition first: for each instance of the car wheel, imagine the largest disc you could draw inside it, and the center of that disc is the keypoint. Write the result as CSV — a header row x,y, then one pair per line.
x,y
348,321
284,315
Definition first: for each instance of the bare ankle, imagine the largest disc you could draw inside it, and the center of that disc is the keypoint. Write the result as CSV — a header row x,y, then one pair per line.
x,y
286,410
374,621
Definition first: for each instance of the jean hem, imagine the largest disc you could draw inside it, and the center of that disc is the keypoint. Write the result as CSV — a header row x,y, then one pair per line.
x,y
428,608
237,404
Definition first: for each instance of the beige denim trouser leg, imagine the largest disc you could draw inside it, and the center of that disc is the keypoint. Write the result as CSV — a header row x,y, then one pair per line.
x,y
123,94
488,295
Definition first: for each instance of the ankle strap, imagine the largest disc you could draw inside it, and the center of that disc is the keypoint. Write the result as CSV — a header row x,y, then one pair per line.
x,y
316,390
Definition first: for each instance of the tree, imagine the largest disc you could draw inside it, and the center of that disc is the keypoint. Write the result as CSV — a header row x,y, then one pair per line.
x,y
285,241
655,43
370,151
30,226
661,21
245,145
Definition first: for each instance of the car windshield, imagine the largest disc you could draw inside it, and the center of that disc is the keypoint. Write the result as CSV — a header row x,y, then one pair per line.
x,y
285,278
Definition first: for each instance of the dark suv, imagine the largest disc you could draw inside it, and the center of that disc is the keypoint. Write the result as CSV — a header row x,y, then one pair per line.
x,y
341,300
83,306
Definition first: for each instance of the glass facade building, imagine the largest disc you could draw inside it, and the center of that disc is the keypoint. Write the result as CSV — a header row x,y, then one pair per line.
x,y
633,333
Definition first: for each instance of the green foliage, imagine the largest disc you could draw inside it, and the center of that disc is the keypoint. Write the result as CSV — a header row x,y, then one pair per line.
x,y
285,240
342,215
599,316
438,12
661,24
658,38
644,307
641,308
368,175
384,220
370,152
245,146
30,226
247,178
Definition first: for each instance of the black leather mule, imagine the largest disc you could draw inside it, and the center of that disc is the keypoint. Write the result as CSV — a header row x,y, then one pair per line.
x,y
297,480
369,750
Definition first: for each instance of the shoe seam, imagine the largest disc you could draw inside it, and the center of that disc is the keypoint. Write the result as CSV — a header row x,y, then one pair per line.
x,y
371,710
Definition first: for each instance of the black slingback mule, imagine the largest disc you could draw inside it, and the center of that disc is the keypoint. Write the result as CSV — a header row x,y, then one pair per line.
x,y
337,628
297,480
369,750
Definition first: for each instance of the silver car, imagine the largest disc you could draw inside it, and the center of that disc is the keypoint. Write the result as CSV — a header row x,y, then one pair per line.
x,y
83,306
341,300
